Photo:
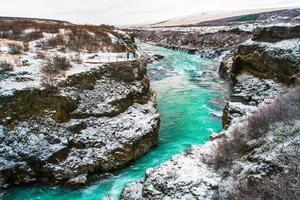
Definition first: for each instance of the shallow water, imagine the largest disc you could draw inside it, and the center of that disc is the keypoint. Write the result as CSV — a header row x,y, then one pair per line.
x,y
188,95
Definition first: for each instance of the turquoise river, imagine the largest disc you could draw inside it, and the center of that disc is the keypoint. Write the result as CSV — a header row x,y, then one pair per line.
x,y
189,98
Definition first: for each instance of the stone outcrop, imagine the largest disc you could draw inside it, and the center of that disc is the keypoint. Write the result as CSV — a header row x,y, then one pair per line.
x,y
266,62
99,120
259,72
276,34
248,92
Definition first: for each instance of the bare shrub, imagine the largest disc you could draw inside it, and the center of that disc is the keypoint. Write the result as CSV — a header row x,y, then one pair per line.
x,y
5,34
77,59
48,79
279,111
223,154
258,123
228,149
239,142
284,109
81,39
15,48
26,46
56,65
283,186
40,55
54,42
5,67
53,67
35,35
188,150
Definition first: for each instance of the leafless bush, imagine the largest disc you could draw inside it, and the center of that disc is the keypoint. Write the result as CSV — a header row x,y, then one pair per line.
x,y
283,186
188,150
26,46
48,79
35,35
80,39
40,55
228,149
5,67
53,67
258,123
223,154
77,59
56,65
5,34
284,109
54,42
15,48
279,111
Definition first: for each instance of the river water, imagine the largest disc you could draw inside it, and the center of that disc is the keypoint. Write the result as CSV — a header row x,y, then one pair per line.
x,y
189,98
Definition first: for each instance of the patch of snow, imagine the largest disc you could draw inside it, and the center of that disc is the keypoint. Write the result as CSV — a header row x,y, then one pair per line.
x,y
113,38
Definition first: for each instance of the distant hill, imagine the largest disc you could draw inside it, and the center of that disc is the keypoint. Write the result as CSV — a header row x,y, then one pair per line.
x,y
226,17
37,20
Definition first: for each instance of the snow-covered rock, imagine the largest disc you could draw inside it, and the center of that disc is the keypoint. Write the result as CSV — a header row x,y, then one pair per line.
x,y
97,120
194,175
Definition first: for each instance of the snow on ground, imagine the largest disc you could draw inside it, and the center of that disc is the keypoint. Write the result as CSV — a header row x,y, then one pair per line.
x,y
29,75
290,44
248,27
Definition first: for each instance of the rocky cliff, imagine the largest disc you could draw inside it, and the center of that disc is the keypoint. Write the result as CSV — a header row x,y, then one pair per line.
x,y
64,114
257,154
99,120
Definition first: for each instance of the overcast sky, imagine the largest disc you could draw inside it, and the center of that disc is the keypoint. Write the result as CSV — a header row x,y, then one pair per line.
x,y
125,12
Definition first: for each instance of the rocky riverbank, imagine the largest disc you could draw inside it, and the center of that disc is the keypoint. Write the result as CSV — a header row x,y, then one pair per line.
x,y
63,119
100,120
257,154
218,38
207,44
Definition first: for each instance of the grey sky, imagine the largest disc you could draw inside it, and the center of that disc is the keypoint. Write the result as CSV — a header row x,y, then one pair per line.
x,y
121,12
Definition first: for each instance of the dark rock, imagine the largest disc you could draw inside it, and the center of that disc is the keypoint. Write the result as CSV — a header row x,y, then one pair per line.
x,y
272,63
276,33
78,181
158,57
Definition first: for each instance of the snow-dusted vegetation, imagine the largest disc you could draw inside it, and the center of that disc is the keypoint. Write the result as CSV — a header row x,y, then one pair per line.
x,y
39,54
